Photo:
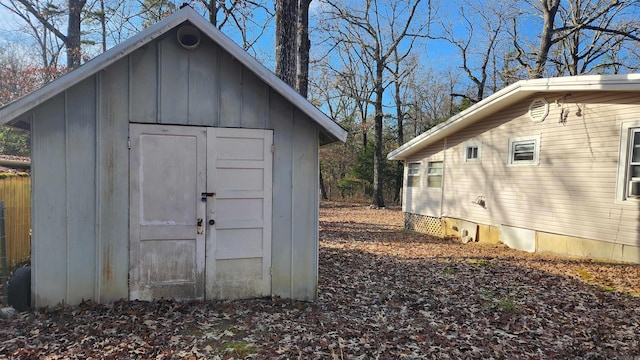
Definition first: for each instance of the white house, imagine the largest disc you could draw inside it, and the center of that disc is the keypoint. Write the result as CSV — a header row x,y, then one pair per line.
x,y
543,165
173,165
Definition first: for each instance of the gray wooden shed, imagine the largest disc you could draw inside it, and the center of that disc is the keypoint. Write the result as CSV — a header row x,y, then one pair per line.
x,y
173,165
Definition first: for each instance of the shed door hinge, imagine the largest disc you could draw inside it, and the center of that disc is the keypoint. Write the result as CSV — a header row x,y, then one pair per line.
x,y
129,143
273,148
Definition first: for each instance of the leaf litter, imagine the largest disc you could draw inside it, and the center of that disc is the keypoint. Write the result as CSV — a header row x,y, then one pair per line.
x,y
383,293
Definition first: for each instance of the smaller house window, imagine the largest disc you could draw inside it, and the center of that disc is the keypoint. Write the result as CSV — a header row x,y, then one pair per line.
x,y
634,164
413,175
524,150
434,174
628,184
472,151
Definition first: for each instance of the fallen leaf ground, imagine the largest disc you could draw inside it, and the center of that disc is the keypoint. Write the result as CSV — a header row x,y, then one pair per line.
x,y
383,293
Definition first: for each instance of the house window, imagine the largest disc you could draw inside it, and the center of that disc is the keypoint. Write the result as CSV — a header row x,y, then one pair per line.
x,y
434,174
633,169
413,175
472,151
524,150
628,188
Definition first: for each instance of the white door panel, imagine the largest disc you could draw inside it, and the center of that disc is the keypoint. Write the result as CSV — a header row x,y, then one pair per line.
x,y
173,168
240,171
167,172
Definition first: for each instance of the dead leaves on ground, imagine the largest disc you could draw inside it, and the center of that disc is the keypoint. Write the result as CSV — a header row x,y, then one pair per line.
x,y
383,293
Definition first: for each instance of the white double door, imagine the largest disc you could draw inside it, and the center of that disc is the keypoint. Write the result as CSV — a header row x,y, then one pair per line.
x,y
200,218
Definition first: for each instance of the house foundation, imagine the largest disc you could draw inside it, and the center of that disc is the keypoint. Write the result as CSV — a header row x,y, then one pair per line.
x,y
544,242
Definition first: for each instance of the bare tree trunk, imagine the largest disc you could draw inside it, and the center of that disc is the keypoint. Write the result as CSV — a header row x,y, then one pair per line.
x,y
323,189
74,52
549,11
103,25
304,46
400,118
71,40
213,12
378,161
286,35
364,133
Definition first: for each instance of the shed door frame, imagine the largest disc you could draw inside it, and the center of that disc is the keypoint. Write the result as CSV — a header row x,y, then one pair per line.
x,y
220,186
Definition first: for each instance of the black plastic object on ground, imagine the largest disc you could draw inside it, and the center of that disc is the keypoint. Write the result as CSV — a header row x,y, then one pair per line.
x,y
19,289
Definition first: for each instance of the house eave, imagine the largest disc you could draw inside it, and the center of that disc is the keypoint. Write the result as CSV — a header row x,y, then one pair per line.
x,y
511,95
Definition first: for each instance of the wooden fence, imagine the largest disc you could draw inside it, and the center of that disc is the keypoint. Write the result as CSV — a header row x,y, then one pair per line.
x,y
15,192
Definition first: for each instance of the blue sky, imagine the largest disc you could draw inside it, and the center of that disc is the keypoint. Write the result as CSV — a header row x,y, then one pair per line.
x,y
435,55
10,25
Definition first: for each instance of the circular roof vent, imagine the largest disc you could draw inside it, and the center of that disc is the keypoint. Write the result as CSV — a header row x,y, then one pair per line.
x,y
188,37
538,110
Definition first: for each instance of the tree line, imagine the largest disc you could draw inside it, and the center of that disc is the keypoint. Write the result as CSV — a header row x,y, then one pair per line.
x,y
386,70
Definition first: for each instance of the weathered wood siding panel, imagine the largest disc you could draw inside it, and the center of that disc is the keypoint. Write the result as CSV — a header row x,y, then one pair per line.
x,y
203,84
304,245
81,191
573,189
112,156
230,103
255,101
143,83
281,118
174,80
49,208
81,229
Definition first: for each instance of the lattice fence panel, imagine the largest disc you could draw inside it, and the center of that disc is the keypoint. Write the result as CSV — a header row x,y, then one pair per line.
x,y
423,224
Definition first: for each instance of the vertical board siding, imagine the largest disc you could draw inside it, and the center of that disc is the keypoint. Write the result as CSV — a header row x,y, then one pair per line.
x,y
255,101
80,149
281,117
573,189
174,80
81,190
49,208
112,225
304,245
231,82
143,83
15,192
203,84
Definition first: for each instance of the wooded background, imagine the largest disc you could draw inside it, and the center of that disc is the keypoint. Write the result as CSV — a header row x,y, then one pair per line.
x,y
386,70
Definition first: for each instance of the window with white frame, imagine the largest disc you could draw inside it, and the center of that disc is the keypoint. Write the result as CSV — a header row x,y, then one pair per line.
x,y
434,174
472,151
524,150
413,174
628,185
633,171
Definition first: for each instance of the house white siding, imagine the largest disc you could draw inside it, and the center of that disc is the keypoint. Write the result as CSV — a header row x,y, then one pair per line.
x,y
572,191
421,199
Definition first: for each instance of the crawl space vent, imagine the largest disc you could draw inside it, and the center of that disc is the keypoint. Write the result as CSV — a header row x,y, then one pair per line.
x,y
538,110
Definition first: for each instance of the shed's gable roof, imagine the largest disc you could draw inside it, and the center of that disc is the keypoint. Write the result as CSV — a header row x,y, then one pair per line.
x,y
511,95
12,111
